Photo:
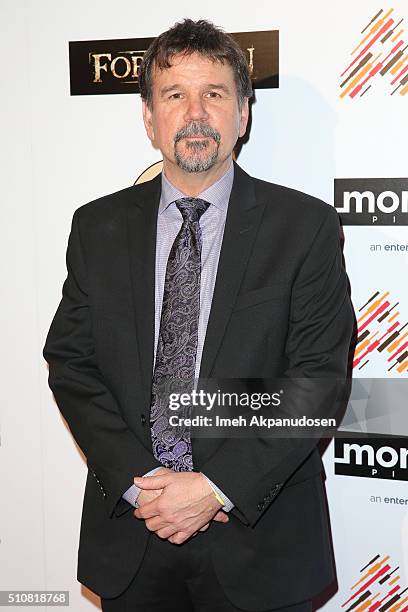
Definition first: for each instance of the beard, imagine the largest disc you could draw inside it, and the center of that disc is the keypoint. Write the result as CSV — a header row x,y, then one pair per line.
x,y
197,155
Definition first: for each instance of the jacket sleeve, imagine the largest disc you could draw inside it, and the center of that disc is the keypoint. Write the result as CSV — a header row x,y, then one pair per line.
x,y
114,453
253,471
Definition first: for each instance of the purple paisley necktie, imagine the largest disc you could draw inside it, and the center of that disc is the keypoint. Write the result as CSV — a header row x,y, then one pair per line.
x,y
177,344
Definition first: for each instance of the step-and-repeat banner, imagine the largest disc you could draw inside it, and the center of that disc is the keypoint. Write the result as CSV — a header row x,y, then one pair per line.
x,y
330,117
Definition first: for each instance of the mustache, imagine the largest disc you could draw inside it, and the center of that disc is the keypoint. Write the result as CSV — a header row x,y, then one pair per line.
x,y
197,129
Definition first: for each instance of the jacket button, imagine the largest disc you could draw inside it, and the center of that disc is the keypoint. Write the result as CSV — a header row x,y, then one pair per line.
x,y
143,419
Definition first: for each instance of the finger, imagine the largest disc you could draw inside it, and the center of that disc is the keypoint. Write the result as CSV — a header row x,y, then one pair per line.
x,y
166,532
165,528
152,482
146,497
221,517
179,537
148,510
141,510
172,530
205,527
156,523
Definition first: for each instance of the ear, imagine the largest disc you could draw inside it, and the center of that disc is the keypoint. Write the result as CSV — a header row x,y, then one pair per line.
x,y
244,116
148,120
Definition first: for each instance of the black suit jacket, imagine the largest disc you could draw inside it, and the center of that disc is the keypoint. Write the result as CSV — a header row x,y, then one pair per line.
x,y
280,308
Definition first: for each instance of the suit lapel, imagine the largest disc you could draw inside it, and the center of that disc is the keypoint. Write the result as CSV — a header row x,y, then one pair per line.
x,y
243,216
142,226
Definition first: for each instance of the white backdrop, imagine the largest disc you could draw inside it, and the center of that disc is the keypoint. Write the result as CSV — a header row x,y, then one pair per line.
x,y
58,152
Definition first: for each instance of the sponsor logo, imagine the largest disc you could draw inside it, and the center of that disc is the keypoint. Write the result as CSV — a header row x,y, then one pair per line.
x,y
112,66
384,458
381,53
378,586
372,201
382,331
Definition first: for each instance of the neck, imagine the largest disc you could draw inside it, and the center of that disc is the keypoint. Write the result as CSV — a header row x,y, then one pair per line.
x,y
194,183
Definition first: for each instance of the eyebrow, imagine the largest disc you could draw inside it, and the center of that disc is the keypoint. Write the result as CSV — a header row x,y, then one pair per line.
x,y
221,86
166,90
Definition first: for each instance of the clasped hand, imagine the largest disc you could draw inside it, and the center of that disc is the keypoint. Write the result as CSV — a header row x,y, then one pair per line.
x,y
177,505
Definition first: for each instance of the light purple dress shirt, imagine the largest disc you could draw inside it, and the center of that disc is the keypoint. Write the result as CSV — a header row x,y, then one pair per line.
x,y
212,223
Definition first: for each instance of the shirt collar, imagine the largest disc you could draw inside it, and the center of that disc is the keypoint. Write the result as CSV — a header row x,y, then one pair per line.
x,y
217,194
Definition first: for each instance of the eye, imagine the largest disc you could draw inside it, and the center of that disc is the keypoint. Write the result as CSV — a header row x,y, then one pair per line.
x,y
213,94
175,96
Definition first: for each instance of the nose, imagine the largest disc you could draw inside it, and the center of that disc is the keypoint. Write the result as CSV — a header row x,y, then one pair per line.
x,y
196,110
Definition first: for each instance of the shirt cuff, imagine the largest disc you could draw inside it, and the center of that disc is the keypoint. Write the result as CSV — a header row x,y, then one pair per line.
x,y
228,505
132,493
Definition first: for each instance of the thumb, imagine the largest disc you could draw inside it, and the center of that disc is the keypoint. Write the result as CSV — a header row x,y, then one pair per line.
x,y
221,517
151,482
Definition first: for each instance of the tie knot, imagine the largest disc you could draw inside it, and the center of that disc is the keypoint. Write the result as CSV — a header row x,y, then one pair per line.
x,y
192,208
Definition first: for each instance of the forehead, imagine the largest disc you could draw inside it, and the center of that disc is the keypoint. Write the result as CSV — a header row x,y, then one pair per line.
x,y
193,69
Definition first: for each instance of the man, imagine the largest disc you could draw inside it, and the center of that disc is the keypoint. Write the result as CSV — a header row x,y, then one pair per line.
x,y
202,272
